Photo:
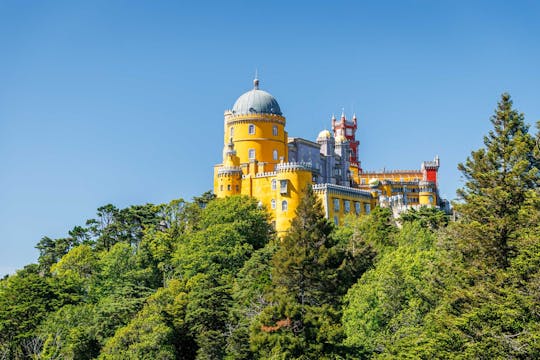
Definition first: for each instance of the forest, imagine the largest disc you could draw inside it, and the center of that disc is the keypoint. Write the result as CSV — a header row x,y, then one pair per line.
x,y
209,278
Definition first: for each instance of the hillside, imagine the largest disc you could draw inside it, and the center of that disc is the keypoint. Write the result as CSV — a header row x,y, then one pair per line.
x,y
209,279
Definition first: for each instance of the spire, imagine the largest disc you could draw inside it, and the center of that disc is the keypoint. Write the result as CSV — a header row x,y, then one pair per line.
x,y
256,80
342,113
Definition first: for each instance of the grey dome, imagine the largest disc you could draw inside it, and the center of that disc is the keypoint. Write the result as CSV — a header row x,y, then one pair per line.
x,y
256,102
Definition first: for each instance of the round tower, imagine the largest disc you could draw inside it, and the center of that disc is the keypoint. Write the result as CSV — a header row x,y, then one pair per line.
x,y
426,195
256,127
228,179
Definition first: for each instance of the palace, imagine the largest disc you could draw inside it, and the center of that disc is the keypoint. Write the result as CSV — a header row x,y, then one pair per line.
x,y
262,161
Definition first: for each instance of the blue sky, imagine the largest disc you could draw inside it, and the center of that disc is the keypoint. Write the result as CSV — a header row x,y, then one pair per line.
x,y
122,101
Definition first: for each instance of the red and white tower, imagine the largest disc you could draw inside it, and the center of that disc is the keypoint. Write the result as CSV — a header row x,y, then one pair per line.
x,y
348,129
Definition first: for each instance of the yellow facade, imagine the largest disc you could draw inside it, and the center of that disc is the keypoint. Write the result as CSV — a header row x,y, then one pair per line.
x,y
340,202
263,133
409,184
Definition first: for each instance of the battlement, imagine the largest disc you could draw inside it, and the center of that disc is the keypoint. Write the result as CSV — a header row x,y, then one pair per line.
x,y
294,166
228,170
339,189
384,171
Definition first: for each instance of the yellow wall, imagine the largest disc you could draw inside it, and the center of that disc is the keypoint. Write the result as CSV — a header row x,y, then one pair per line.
x,y
297,181
428,198
227,185
261,188
263,141
328,202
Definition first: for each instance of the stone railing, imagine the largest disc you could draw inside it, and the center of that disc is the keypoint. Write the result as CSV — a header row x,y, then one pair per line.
x,y
265,174
341,189
229,170
291,166
384,171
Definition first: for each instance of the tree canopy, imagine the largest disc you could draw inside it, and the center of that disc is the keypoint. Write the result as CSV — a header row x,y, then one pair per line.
x,y
209,278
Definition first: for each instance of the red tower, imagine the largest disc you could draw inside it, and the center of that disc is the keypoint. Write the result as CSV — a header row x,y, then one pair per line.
x,y
430,169
348,129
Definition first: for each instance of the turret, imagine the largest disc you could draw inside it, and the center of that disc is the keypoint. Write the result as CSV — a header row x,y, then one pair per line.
x,y
229,175
430,170
347,129
326,140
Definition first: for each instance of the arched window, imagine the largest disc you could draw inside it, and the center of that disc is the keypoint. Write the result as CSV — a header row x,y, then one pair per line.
x,y
273,203
231,131
274,184
274,154
251,129
251,154
284,205
274,130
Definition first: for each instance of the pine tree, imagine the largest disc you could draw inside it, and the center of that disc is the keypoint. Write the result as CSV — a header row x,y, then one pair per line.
x,y
301,261
303,320
498,179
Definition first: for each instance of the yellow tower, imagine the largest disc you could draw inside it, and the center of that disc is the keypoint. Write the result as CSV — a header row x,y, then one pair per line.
x,y
255,157
228,178
256,127
427,195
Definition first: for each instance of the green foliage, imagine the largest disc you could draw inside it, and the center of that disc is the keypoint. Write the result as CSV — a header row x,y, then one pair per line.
x,y
249,287
428,217
25,300
251,221
302,318
498,180
207,279
151,333
391,300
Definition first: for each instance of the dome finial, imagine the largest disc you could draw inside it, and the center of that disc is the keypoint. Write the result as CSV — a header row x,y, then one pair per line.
x,y
256,80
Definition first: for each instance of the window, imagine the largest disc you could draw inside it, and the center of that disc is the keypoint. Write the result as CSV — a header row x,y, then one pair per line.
x,y
336,204
273,203
284,205
251,154
251,129
274,130
347,206
357,208
367,208
237,188
274,184
283,186
231,132
430,199
336,220
274,154
229,187
348,132
363,181
220,187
